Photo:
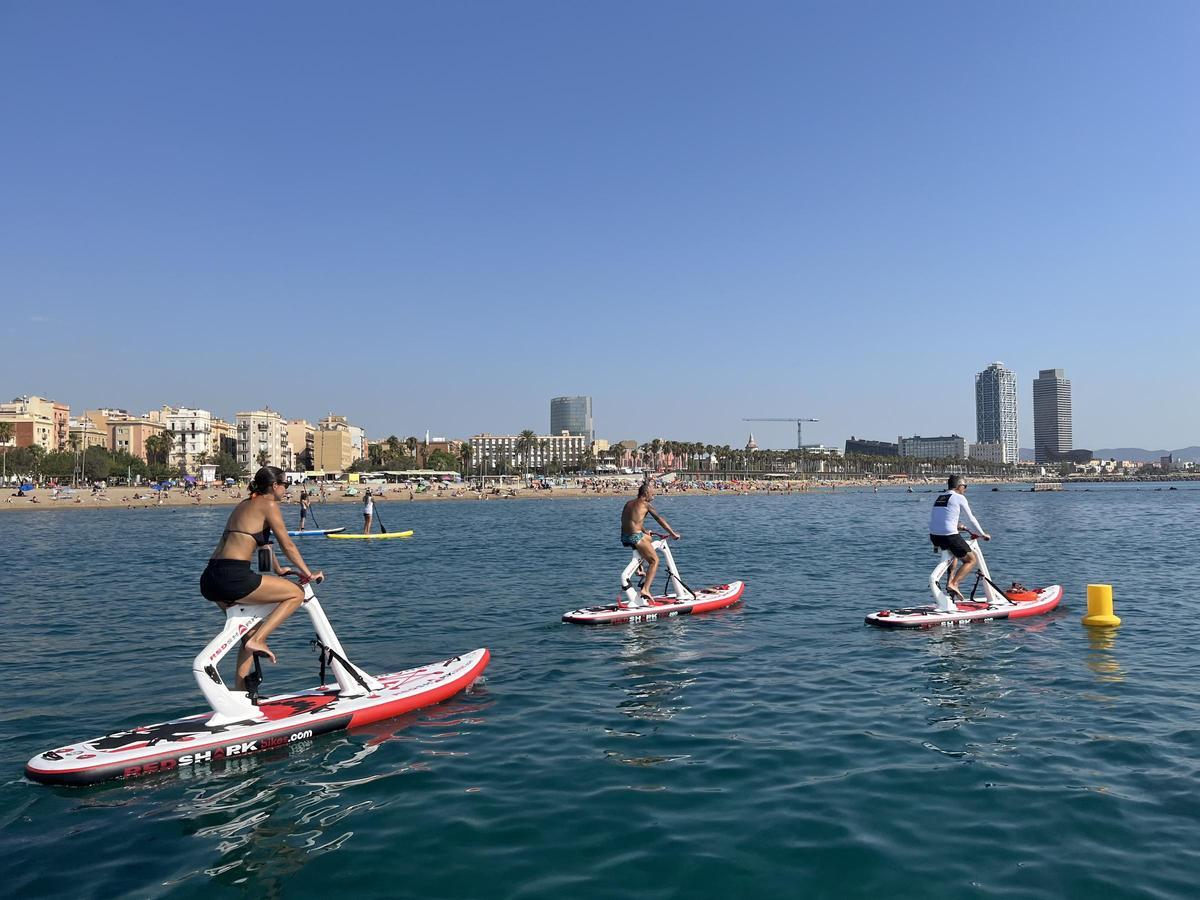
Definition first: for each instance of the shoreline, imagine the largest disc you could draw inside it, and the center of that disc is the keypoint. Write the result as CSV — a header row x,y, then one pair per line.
x,y
144,498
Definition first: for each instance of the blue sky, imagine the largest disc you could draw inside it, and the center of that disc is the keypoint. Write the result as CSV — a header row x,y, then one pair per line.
x,y
438,216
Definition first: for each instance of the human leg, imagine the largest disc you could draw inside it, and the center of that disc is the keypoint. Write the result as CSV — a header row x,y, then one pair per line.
x,y
965,564
649,556
286,598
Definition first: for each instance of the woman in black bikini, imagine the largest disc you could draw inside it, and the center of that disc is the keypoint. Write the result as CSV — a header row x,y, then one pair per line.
x,y
228,579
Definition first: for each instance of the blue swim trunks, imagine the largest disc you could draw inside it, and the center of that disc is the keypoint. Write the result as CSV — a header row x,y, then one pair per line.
x,y
631,540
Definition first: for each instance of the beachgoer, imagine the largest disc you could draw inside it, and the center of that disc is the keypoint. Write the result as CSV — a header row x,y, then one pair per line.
x,y
944,528
304,504
633,517
228,579
368,511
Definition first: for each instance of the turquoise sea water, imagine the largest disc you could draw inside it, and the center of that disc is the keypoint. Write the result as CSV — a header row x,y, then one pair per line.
x,y
781,747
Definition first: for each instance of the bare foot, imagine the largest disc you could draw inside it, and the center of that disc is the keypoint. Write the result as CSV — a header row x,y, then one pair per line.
x,y
258,649
646,596
954,592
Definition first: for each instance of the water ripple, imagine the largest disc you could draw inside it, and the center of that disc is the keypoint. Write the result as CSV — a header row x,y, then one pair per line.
x,y
780,747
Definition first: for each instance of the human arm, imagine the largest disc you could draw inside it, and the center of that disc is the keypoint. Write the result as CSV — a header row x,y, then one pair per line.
x,y
663,522
287,545
976,528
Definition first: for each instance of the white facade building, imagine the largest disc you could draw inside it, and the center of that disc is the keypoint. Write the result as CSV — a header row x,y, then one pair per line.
x,y
192,435
262,431
944,447
996,410
991,452
492,451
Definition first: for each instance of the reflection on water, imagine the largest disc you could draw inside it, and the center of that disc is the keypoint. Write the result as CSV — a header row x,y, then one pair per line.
x,y
655,673
1101,657
966,679
266,821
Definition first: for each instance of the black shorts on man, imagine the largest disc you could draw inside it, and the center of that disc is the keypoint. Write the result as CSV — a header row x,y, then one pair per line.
x,y
952,542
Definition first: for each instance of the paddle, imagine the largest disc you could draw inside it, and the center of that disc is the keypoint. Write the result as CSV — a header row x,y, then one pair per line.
x,y
313,513
379,518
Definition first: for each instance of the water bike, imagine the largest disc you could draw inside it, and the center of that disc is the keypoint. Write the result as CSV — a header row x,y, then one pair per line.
x,y
679,599
242,723
1015,602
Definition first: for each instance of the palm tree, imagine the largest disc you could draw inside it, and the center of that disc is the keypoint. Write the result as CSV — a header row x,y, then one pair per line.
x,y
158,447
464,453
263,457
526,441
412,444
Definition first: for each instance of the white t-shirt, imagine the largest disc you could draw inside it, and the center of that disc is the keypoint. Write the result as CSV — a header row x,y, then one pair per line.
x,y
369,507
947,509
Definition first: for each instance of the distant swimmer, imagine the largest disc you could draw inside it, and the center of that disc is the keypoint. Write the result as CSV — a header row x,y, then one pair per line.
x,y
633,518
944,528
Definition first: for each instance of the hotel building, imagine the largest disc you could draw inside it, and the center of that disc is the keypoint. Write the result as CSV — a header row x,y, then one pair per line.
x,y
945,447
496,450
1051,415
572,415
996,410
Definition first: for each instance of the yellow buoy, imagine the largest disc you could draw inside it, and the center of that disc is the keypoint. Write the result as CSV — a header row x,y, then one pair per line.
x,y
1100,606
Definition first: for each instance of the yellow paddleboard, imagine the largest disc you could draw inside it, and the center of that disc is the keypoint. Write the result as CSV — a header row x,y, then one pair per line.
x,y
370,537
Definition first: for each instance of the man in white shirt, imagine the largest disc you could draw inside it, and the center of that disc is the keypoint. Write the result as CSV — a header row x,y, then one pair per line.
x,y
944,528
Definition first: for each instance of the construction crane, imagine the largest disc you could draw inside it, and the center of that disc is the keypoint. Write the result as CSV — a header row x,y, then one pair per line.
x,y
799,427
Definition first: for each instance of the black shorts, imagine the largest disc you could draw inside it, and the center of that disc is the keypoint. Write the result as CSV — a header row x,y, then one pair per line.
x,y
952,542
228,580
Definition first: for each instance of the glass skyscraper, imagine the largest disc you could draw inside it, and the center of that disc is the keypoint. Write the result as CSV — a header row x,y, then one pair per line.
x,y
1051,415
996,410
572,415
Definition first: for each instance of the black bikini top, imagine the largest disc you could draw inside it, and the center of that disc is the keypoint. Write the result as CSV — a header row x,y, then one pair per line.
x,y
261,538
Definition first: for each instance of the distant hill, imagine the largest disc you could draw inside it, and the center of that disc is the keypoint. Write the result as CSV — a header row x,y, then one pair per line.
x,y
1134,454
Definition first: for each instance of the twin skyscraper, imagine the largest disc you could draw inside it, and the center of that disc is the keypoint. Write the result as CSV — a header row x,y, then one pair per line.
x,y
996,414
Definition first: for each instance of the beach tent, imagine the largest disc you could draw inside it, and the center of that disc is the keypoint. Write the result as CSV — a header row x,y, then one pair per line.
x,y
27,486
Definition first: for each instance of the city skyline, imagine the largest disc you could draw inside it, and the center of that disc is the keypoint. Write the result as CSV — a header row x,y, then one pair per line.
x,y
511,428
823,211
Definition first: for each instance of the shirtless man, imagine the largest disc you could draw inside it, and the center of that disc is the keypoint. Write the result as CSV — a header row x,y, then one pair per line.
x,y
633,518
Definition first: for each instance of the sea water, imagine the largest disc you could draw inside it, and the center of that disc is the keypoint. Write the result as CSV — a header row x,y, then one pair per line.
x,y
781,747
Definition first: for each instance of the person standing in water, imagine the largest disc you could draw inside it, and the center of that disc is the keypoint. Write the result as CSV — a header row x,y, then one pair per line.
x,y
633,518
368,511
944,528
228,578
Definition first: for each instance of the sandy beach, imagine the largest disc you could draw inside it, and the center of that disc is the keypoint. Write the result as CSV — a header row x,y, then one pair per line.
x,y
144,497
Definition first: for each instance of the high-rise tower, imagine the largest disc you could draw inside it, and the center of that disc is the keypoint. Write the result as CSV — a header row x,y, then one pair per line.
x,y
996,410
572,415
1051,415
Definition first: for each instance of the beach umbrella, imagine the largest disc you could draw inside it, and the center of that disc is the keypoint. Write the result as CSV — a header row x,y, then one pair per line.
x,y
27,486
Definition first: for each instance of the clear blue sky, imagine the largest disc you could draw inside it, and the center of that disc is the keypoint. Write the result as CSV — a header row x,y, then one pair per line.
x,y
440,215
